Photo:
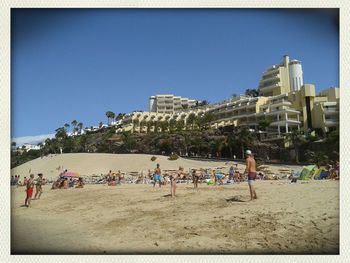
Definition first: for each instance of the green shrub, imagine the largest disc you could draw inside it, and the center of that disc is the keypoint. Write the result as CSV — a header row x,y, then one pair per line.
x,y
153,158
173,157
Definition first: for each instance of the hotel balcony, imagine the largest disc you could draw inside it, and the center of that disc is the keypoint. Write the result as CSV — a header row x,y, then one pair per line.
x,y
330,111
269,87
271,70
290,122
270,78
281,103
331,122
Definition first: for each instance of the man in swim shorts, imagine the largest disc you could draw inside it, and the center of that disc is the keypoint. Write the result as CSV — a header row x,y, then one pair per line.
x,y
29,190
251,170
195,178
157,177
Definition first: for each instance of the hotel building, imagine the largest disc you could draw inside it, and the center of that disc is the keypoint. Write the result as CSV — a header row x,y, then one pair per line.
x,y
284,101
169,103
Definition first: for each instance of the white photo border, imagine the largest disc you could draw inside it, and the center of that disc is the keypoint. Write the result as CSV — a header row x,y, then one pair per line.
x,y
5,140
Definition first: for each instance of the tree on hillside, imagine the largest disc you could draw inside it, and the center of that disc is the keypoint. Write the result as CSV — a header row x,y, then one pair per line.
x,y
296,138
263,124
149,126
74,123
60,133
172,124
80,126
180,125
190,120
13,144
251,92
207,119
164,125
243,137
129,141
120,116
66,126
109,115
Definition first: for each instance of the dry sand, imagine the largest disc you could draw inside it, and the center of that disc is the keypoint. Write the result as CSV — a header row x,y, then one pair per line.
x,y
287,218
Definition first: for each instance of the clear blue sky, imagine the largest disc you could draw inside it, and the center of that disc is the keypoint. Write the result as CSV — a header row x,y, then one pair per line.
x,y
79,63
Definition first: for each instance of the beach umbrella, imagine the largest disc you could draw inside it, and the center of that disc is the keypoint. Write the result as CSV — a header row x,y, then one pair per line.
x,y
71,174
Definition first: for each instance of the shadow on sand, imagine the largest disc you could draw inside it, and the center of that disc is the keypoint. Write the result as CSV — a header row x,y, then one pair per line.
x,y
236,198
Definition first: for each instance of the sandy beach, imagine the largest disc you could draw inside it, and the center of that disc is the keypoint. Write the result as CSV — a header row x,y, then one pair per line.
x,y
301,218
88,164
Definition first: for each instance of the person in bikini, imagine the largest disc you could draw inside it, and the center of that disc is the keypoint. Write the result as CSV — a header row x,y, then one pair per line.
x,y
38,186
29,190
173,178
251,171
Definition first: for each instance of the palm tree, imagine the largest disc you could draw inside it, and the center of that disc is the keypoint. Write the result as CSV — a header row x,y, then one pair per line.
x,y
66,126
296,138
143,123
74,123
164,125
191,119
180,125
172,124
252,92
243,137
13,144
207,119
120,116
135,122
264,123
109,115
80,125
60,133
149,125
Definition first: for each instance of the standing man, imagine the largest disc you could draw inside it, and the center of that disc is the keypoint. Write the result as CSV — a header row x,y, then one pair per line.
x,y
29,190
251,171
157,173
38,185
195,178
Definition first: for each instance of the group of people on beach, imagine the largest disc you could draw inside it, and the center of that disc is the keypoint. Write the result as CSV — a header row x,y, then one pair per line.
x,y
115,178
63,183
234,175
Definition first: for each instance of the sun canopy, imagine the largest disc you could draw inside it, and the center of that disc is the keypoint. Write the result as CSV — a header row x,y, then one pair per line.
x,y
71,174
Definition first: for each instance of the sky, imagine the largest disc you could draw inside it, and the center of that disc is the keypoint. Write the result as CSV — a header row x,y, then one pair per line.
x,y
77,64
